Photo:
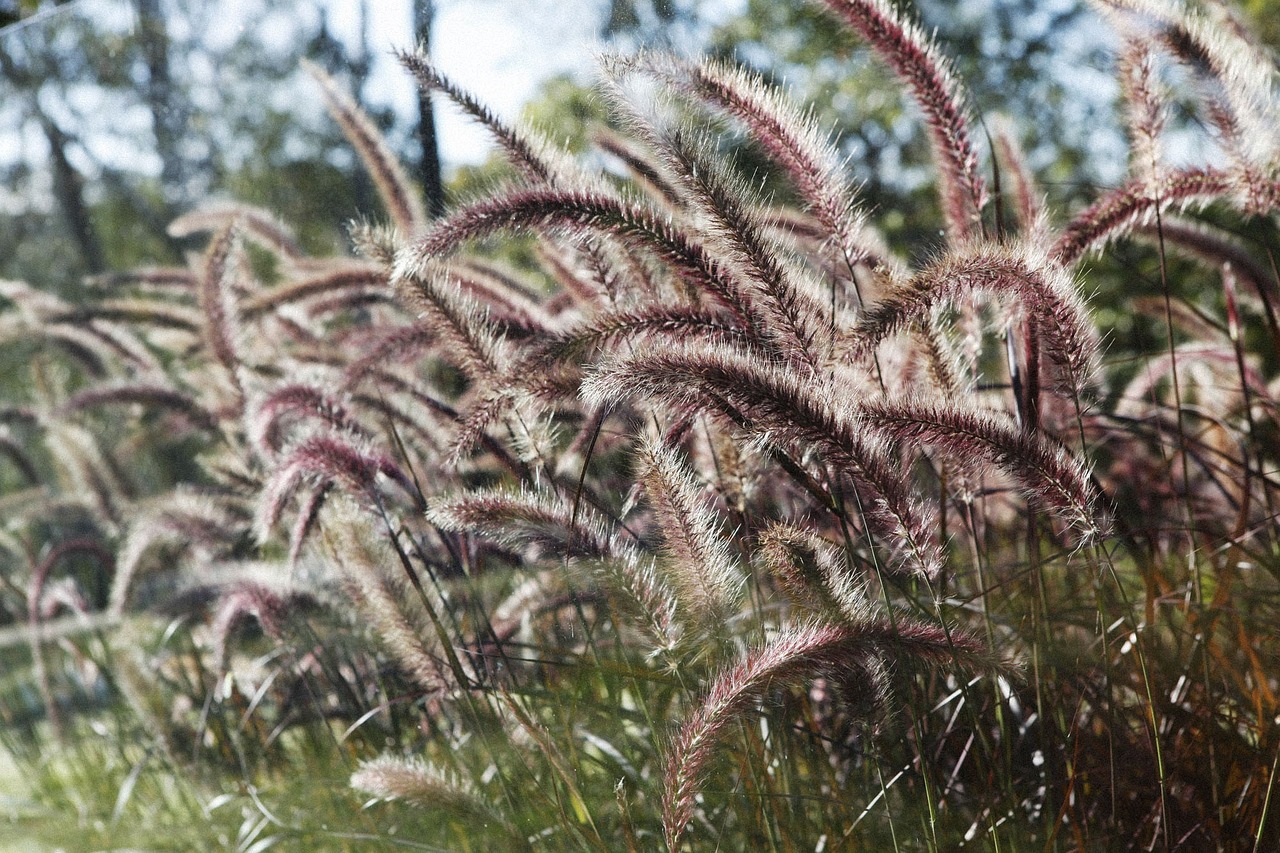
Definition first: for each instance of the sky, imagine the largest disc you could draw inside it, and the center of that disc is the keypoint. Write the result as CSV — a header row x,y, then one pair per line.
x,y
489,47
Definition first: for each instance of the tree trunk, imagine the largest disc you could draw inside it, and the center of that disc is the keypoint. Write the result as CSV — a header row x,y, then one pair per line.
x,y
432,182
168,115
68,188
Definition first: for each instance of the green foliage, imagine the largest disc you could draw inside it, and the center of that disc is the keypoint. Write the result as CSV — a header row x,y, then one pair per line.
x,y
566,112
1264,17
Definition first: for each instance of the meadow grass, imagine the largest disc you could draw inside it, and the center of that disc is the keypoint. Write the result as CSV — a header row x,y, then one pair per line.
x,y
707,519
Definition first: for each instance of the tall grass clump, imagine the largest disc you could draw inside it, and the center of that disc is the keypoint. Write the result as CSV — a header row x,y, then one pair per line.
x,y
727,522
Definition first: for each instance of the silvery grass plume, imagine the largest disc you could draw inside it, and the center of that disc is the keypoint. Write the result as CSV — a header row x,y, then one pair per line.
x,y
376,574
157,280
218,301
157,349
454,441
766,403
1239,98
609,263
41,571
1044,289
545,525
538,161
342,278
1145,107
1135,203
141,394
707,583
550,370
15,450
320,461
792,139
1237,82
726,216
87,470
916,61
799,653
141,313
586,213
421,784
261,227
1043,470
463,331
99,345
182,520
296,402
1028,201
268,604
398,194
814,573
646,176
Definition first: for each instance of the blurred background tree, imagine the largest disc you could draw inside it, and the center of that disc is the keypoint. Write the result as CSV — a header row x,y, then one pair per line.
x,y
1264,18
120,114
1045,62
